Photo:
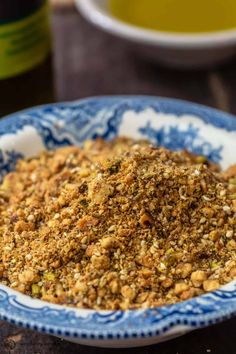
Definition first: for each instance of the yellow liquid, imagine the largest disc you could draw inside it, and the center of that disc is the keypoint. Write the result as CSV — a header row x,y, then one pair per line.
x,y
177,15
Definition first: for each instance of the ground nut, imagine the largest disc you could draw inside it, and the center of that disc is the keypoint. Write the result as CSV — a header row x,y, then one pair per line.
x,y
109,242
198,278
146,273
210,285
84,172
147,261
214,235
234,206
141,298
118,225
230,172
81,286
28,277
180,288
187,294
99,190
114,286
128,293
184,269
1,271
59,290
167,283
124,305
91,249
100,262
35,289
146,220
101,292
232,273
86,222
231,245
229,233
21,226
209,212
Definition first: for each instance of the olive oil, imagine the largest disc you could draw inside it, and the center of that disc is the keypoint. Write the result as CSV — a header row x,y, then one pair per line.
x,y
181,16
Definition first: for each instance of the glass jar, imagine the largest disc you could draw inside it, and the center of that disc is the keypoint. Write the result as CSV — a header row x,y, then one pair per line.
x,y
25,47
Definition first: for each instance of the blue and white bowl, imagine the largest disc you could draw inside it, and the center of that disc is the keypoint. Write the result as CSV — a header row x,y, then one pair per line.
x,y
171,123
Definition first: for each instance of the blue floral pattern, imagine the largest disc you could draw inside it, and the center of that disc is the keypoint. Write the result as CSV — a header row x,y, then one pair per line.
x,y
174,138
72,123
8,161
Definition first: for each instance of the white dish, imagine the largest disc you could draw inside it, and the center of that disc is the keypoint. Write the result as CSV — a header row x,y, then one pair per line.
x,y
172,49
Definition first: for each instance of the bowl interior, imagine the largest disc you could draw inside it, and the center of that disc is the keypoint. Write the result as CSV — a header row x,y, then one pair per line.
x,y
172,124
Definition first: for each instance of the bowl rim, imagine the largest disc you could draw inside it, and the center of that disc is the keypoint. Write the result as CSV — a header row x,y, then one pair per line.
x,y
91,10
68,322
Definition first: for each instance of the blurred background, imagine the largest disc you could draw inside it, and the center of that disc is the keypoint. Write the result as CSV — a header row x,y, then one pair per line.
x,y
85,61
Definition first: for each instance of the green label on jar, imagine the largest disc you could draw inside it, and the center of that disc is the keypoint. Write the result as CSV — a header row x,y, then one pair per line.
x,y
25,43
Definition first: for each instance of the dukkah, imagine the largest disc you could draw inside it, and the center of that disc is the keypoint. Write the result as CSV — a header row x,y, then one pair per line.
x,y
119,225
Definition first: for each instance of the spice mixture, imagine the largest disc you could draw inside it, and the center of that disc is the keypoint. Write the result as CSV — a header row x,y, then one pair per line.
x,y
117,225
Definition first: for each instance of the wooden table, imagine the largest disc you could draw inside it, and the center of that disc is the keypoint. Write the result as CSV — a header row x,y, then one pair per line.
x,y
88,62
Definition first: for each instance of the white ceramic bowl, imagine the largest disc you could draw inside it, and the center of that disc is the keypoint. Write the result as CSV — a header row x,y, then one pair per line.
x,y
172,49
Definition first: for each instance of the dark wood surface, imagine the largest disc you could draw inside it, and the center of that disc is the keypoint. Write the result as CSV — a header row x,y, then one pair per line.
x,y
89,62
219,339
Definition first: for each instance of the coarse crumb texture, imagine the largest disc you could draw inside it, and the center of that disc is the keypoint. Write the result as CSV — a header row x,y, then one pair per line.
x,y
119,225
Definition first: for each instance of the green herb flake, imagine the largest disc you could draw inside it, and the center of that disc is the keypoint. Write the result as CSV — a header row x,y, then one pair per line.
x,y
84,203
114,168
